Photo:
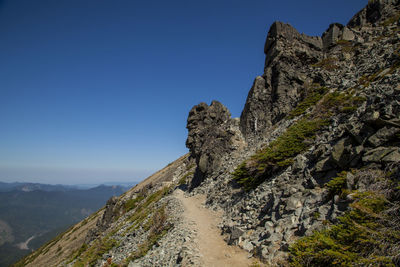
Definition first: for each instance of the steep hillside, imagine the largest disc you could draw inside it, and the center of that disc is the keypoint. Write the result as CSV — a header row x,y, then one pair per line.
x,y
308,176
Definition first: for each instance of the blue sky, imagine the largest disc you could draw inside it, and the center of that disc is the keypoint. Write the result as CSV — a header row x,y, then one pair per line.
x,y
100,90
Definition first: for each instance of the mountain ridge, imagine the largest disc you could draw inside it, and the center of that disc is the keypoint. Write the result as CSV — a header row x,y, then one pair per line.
x,y
307,175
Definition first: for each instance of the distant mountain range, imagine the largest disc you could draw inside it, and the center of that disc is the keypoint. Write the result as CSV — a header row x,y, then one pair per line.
x,y
33,213
6,187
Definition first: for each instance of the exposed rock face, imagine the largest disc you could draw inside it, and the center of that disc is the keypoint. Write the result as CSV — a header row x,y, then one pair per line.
x,y
284,82
361,58
212,133
336,32
373,13
109,215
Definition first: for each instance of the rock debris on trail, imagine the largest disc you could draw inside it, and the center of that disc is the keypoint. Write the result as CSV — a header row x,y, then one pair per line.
x,y
214,251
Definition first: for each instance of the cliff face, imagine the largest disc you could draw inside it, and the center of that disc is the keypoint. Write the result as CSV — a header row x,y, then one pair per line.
x,y
316,148
324,105
281,87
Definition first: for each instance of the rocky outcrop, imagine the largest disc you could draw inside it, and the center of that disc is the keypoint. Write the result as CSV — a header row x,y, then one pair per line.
x,y
359,61
111,212
212,134
374,12
335,33
285,80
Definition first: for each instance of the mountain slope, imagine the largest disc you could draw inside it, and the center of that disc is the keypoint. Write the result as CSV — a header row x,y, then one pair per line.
x,y
308,176
32,214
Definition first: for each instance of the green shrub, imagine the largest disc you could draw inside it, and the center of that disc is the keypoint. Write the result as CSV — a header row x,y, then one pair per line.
x,y
277,154
316,215
133,202
88,256
310,100
336,185
339,102
361,237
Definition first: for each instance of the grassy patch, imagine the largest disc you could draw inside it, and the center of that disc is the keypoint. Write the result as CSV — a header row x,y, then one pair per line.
x,y
277,154
89,256
327,64
337,185
362,237
347,46
133,202
366,80
315,94
338,102
316,215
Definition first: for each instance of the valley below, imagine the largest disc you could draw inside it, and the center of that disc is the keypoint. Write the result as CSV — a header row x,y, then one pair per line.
x,y
31,215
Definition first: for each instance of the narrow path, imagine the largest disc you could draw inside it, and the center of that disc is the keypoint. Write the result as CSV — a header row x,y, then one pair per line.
x,y
213,249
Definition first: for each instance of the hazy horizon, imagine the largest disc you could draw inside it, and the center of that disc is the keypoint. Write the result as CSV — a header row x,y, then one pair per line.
x,y
100,90
70,176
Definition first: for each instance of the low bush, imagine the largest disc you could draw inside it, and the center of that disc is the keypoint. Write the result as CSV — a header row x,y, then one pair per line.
x,y
277,154
336,103
337,185
313,96
88,256
133,202
364,236
327,63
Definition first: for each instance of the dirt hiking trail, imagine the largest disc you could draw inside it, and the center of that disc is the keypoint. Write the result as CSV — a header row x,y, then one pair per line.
x,y
215,252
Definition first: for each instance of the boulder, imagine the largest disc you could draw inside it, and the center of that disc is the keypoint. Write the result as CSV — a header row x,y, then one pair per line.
x,y
382,155
383,136
212,134
341,153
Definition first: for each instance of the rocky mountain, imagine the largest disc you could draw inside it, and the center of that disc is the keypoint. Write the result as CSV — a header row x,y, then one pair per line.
x,y
309,175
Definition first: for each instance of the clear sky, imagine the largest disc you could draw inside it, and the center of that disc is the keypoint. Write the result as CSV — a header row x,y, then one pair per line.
x,y
100,90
